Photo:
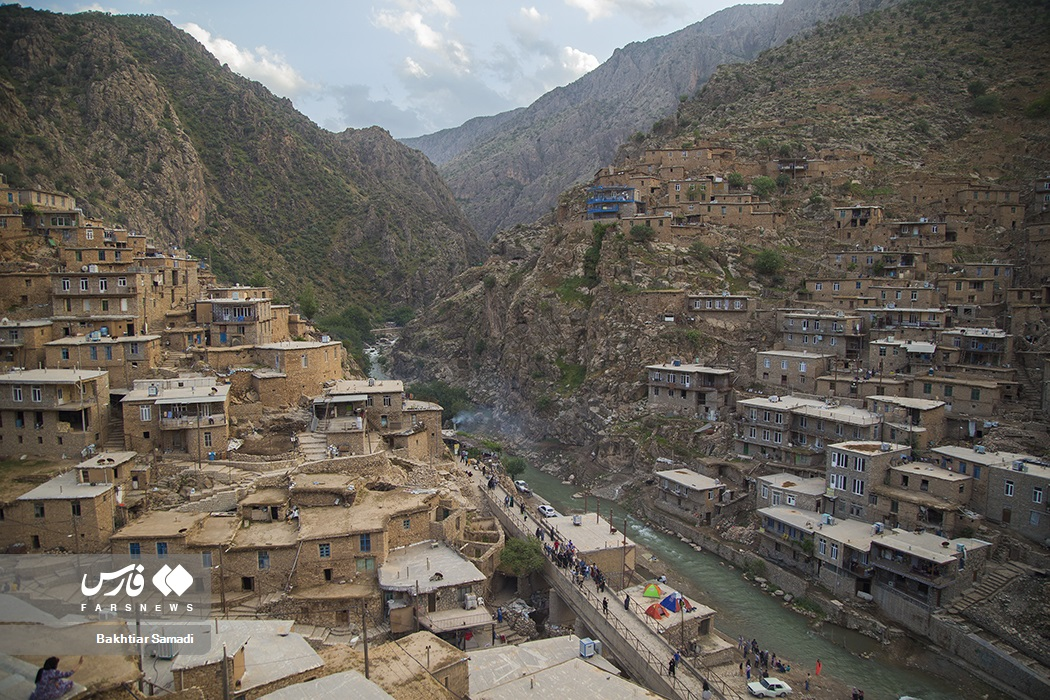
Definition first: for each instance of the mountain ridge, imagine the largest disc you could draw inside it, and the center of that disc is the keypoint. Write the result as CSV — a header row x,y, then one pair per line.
x,y
514,173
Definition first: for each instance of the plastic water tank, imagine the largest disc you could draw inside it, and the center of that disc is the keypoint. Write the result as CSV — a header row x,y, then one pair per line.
x,y
587,648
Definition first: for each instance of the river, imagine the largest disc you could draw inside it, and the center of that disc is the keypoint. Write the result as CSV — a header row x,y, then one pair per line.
x,y
744,610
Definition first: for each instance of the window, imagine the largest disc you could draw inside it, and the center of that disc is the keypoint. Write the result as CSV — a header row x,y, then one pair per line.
x,y
83,284
36,393
366,564
924,485
822,546
74,508
103,284
162,550
145,413
790,499
802,365
1033,517
834,551
859,464
407,523
65,284
38,510
386,400
304,360
858,487
134,550
976,472
207,438
765,491
838,482
365,543
948,388
766,362
324,550
264,560
1009,488
1037,494
975,394
16,393
206,560
65,353
783,364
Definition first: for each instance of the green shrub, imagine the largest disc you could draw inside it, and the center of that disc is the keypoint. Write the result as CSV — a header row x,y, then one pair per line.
x,y
987,104
735,180
640,233
763,186
769,262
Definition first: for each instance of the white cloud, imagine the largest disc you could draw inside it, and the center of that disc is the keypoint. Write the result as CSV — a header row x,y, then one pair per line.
x,y
95,7
414,69
358,109
577,62
262,64
440,7
412,23
533,15
648,12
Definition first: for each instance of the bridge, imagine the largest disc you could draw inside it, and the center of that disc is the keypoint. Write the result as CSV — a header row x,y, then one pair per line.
x,y
633,640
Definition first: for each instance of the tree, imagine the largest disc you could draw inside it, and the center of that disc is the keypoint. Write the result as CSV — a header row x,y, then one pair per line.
x,y
642,233
783,181
763,186
308,301
765,145
769,262
515,466
521,557
736,180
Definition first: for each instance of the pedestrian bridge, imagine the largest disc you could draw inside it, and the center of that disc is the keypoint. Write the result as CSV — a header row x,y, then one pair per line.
x,y
633,640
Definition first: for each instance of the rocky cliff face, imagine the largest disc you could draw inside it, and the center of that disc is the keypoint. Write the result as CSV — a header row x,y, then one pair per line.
x,y
555,329
510,168
143,125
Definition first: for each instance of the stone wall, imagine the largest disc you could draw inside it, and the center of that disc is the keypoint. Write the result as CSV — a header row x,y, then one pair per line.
x,y
351,464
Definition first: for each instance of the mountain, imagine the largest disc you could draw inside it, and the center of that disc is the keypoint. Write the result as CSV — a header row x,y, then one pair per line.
x,y
143,125
554,331
510,168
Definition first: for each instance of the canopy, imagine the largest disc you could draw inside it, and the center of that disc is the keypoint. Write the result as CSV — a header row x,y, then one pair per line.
x,y
652,591
657,611
675,602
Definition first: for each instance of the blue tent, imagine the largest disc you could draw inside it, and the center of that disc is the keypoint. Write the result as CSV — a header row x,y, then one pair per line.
x,y
675,602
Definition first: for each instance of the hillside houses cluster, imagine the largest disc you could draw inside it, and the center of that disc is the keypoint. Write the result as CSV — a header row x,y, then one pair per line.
x,y
865,415
132,368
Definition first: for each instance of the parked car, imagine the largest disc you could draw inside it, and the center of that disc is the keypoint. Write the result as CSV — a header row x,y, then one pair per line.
x,y
769,688
547,512
522,487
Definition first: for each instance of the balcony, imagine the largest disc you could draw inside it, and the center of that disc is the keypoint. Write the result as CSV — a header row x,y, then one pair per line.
x,y
191,422
924,572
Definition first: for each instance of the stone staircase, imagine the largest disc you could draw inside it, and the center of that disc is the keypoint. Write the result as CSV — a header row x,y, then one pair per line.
x,y
249,608
992,582
173,361
313,446
220,500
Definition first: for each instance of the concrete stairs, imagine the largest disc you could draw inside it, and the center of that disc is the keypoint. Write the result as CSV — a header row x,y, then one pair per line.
x,y
219,500
339,635
173,361
114,435
249,608
505,634
992,582
313,446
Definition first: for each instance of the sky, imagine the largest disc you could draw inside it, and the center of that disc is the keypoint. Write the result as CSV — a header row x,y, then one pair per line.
x,y
411,66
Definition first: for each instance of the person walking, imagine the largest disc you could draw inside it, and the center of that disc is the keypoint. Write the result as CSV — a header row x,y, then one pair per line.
x,y
670,667
605,606
706,695
627,602
807,682
747,671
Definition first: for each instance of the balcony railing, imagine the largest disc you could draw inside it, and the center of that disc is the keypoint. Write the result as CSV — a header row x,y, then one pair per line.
x,y
187,422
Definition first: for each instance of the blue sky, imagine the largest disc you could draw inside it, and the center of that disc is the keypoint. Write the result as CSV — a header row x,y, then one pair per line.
x,y
411,66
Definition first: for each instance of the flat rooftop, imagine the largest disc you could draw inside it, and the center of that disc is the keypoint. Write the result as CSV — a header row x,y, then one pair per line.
x,y
906,402
687,477
868,446
789,482
371,512
65,487
699,369
50,376
495,668
107,460
186,394
927,545
337,686
159,523
215,530
103,340
593,534
312,483
280,533
415,405
367,386
425,568
795,354
297,345
1001,460
265,497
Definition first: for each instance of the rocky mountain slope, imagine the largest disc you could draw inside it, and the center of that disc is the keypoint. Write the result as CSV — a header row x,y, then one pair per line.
x,y
510,168
554,330
143,125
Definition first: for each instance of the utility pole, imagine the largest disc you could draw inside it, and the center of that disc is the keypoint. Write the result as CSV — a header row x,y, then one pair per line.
x,y
222,583
623,570
225,676
364,635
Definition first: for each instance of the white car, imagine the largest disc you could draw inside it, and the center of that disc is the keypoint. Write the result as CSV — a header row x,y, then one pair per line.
x,y
769,688
546,511
522,487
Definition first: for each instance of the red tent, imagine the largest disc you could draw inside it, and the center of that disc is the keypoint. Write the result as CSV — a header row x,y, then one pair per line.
x,y
657,611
